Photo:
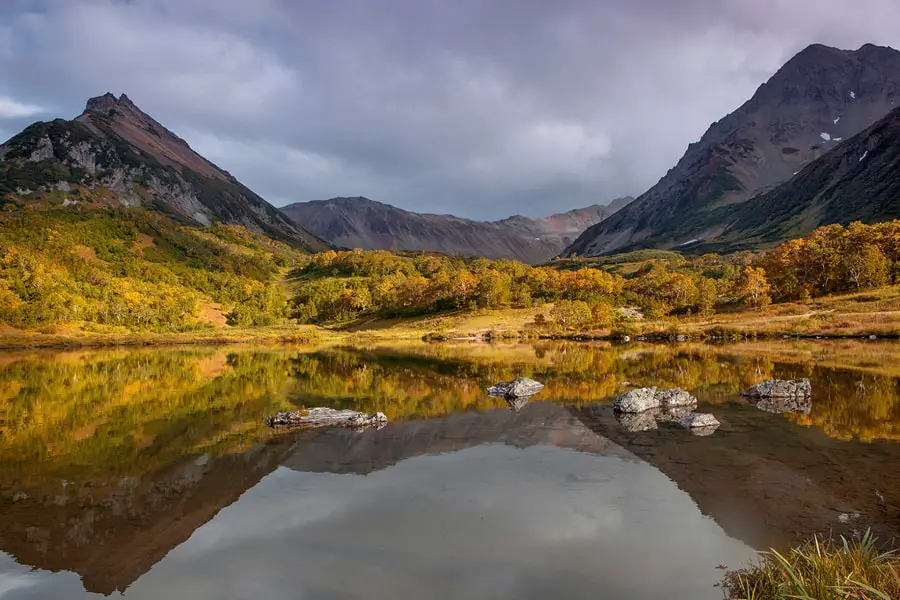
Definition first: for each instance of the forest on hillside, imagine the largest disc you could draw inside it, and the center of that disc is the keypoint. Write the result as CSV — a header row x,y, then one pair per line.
x,y
128,270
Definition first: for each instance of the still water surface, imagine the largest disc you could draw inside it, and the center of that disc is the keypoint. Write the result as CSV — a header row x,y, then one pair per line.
x,y
148,473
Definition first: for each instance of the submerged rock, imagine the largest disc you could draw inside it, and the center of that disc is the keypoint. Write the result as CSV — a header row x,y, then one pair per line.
x,y
326,417
636,401
798,404
516,404
673,414
640,421
780,388
675,397
700,423
520,387
642,399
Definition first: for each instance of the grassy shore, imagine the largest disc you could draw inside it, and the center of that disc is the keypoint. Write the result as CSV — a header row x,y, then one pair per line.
x,y
820,570
875,312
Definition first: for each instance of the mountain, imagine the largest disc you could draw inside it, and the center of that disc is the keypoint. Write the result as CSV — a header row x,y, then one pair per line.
x,y
367,224
859,180
114,154
817,99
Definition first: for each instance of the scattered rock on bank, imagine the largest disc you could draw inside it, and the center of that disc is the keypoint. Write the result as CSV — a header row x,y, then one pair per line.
x,y
326,417
780,388
520,387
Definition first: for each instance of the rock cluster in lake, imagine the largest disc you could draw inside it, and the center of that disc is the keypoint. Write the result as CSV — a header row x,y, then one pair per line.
x,y
780,388
516,392
643,409
781,396
327,417
519,387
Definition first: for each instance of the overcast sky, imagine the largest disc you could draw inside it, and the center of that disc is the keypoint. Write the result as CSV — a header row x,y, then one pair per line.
x,y
481,108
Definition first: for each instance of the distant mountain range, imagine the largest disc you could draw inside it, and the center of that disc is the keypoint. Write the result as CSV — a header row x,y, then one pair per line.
x,y
115,154
367,224
816,101
818,143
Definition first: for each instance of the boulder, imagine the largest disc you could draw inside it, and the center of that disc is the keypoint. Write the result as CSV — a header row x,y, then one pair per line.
x,y
636,401
519,387
700,423
780,388
327,417
675,397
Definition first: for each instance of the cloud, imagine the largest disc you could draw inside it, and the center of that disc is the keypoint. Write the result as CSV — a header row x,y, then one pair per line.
x,y
10,109
478,108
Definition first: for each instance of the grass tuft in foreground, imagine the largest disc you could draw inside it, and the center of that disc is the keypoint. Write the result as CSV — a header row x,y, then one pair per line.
x,y
820,570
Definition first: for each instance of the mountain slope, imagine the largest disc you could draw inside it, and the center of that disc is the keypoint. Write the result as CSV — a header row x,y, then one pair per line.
x,y
857,181
820,97
371,225
115,154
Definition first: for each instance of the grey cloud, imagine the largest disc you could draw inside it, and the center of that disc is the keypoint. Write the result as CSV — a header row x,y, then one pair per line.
x,y
483,109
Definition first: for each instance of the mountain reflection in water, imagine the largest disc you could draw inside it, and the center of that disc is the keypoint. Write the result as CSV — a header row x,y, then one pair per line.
x,y
113,460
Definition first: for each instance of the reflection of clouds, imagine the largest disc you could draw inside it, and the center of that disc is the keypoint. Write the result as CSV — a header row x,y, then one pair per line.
x,y
491,521
19,582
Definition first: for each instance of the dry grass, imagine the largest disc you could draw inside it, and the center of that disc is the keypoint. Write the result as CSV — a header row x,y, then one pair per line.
x,y
820,570
65,338
872,312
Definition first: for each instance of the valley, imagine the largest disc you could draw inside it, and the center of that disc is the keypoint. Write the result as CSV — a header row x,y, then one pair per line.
x,y
155,312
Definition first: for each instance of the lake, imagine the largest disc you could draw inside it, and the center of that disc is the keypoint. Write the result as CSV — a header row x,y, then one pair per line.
x,y
149,473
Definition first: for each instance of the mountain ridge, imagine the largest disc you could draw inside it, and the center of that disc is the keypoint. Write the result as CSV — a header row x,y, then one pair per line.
x,y
817,99
113,153
859,180
358,222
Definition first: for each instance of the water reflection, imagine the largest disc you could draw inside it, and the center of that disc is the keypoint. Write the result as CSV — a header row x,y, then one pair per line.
x,y
113,458
488,522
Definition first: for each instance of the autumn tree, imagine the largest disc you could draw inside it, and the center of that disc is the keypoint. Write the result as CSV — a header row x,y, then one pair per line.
x,y
571,314
754,288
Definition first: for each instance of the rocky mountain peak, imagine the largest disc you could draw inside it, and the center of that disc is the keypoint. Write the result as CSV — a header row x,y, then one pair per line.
x,y
114,153
101,104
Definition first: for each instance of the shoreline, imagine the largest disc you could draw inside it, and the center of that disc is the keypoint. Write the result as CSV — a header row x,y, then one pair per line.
x,y
309,336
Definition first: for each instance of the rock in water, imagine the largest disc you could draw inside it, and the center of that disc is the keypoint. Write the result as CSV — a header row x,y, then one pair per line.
x,y
326,417
673,414
640,421
635,401
780,388
675,397
517,404
520,387
700,423
798,404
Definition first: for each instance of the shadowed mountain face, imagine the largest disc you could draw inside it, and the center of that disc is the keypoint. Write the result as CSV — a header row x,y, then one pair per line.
x,y
364,223
857,181
819,98
115,154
